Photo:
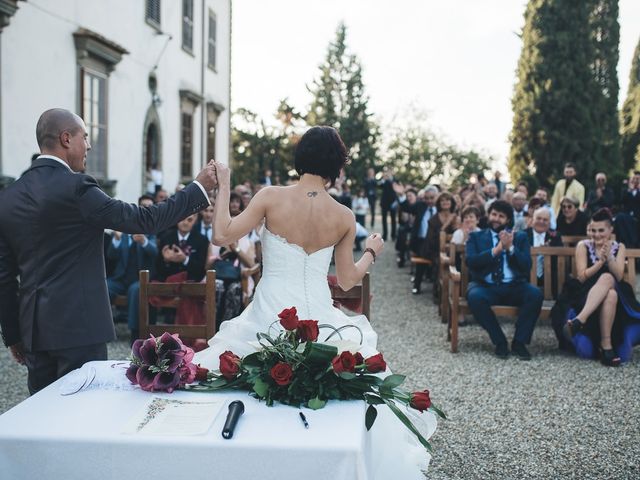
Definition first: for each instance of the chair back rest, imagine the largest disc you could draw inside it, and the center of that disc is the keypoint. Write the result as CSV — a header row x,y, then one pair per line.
x,y
205,290
445,240
361,292
558,264
457,257
572,240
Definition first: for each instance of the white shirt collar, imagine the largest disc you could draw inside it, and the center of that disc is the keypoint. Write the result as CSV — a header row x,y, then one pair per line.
x,y
181,238
539,237
59,160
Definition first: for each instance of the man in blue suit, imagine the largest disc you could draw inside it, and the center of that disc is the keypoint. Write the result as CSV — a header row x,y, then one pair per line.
x,y
499,262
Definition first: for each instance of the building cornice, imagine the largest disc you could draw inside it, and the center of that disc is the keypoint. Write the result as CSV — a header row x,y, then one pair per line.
x,y
7,9
92,44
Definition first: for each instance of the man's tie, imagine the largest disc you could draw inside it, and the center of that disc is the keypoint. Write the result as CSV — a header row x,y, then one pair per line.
x,y
207,232
498,274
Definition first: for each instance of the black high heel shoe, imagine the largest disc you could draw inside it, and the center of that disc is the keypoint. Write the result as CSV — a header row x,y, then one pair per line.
x,y
572,327
609,358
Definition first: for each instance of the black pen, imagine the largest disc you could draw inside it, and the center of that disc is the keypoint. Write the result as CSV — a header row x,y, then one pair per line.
x,y
304,420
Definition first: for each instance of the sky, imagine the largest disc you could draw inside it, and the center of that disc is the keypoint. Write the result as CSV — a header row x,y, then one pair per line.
x,y
454,60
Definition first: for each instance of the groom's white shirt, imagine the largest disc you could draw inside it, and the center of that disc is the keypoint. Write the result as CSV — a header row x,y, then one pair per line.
x,y
53,157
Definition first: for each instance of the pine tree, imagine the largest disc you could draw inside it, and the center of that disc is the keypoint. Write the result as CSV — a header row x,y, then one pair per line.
x,y
340,101
566,90
630,117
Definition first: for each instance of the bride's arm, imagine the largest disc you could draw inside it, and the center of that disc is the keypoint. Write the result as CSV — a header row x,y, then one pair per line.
x,y
227,230
349,273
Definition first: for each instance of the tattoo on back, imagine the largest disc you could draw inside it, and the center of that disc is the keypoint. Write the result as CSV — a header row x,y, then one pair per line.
x,y
312,194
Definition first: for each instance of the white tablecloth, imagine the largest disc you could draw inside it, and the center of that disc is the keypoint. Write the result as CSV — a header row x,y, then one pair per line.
x,y
50,436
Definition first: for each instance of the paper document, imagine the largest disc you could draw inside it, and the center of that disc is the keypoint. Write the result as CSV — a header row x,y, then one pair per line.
x,y
175,417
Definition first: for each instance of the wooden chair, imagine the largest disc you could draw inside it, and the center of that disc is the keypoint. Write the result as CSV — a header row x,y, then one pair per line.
x,y
361,292
562,256
572,240
443,277
177,291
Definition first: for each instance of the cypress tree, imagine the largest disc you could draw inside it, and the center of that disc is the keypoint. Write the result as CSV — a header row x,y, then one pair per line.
x,y
340,101
566,90
630,116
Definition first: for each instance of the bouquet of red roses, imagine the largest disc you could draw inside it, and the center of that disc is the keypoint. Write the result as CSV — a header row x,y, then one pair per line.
x,y
162,364
293,368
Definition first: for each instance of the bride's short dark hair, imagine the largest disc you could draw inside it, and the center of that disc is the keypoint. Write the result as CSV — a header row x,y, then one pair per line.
x,y
321,152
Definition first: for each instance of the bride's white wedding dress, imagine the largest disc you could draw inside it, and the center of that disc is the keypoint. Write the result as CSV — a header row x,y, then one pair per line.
x,y
293,278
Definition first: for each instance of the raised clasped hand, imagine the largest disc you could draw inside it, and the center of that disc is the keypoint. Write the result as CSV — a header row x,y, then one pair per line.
x,y
506,239
223,174
139,237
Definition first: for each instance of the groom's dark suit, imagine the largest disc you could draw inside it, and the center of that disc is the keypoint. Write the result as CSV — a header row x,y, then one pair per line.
x,y
51,235
502,279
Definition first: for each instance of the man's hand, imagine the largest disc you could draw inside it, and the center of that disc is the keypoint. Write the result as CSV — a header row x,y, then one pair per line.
x,y
17,352
207,177
506,239
178,255
168,253
139,238
117,235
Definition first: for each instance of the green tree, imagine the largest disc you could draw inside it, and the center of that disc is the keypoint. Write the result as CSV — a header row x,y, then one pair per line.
x,y
566,90
340,100
630,116
419,157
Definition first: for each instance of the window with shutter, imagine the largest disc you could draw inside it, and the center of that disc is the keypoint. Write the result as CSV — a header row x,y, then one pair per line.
x,y
153,13
212,40
187,25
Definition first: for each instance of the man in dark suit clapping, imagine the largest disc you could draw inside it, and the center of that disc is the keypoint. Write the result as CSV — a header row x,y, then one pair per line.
x,y
182,250
57,316
499,262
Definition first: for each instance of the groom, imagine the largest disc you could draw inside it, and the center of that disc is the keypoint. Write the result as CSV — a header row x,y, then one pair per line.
x,y
57,315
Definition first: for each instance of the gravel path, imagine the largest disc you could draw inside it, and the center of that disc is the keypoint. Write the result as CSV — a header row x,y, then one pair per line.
x,y
553,417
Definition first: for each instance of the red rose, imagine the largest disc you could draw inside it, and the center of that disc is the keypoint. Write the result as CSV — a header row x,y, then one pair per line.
x,y
345,362
282,373
359,358
201,373
308,330
229,365
420,400
289,318
376,364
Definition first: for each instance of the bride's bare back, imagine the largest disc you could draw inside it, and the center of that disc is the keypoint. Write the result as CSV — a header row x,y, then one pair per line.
x,y
307,217
302,214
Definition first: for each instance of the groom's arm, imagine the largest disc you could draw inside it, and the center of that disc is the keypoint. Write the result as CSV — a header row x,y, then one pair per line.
x,y
8,295
102,211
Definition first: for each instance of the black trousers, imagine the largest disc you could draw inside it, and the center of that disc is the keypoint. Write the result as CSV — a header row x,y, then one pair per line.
x,y
387,210
372,208
523,295
47,366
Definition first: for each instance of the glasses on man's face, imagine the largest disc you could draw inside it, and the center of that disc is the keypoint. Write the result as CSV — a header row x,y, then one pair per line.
x,y
567,207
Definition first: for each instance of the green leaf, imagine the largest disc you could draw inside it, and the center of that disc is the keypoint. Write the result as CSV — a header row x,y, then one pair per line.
x,y
316,403
440,413
370,417
319,353
373,399
403,418
393,381
261,388
347,375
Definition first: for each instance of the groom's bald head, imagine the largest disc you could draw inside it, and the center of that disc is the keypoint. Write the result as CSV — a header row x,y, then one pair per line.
x,y
54,123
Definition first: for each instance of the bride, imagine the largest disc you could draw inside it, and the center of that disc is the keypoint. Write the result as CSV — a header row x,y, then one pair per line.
x,y
303,225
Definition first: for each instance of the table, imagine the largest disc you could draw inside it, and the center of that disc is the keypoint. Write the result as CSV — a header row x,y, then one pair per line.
x,y
80,437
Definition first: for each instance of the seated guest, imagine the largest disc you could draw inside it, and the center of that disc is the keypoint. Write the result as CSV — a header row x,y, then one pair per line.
x,y
601,196
405,225
519,202
539,234
204,225
423,211
469,224
476,200
572,221
182,250
228,262
604,302
499,262
445,220
526,221
130,254
543,195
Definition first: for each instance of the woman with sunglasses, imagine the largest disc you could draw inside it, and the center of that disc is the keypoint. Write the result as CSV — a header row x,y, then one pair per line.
x,y
571,220
604,301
